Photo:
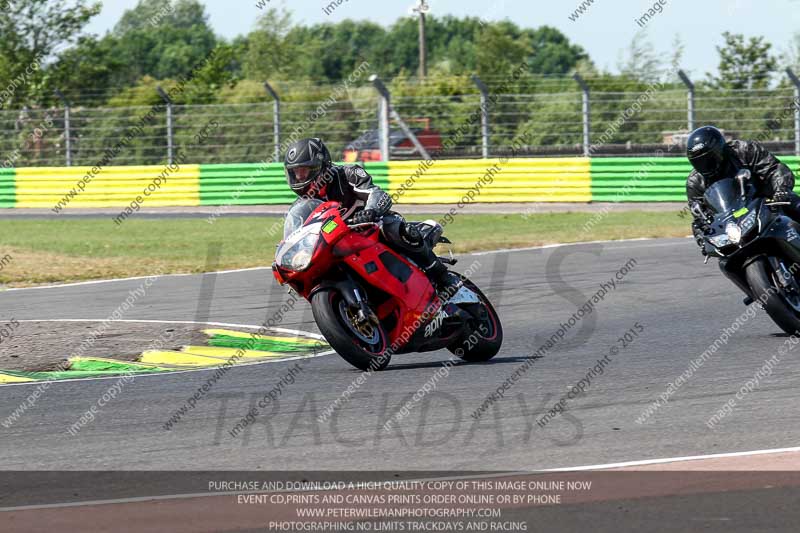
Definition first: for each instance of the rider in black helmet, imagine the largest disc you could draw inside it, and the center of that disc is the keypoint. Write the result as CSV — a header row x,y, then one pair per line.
x,y
714,159
311,174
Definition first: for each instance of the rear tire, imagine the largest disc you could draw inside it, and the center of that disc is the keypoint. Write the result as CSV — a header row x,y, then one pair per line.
x,y
759,277
330,315
485,340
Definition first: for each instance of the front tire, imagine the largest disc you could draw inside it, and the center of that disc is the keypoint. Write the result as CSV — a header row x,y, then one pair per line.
x,y
485,340
364,347
770,293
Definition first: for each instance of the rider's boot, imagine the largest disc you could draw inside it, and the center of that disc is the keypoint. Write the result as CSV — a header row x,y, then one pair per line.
x,y
445,282
409,239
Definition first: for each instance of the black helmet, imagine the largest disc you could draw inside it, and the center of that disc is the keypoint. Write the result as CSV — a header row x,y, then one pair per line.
x,y
707,151
311,154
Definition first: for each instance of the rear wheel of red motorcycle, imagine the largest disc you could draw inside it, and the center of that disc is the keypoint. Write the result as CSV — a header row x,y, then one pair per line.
x,y
362,345
486,339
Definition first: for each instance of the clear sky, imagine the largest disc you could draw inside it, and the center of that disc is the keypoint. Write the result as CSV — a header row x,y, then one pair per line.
x,y
604,30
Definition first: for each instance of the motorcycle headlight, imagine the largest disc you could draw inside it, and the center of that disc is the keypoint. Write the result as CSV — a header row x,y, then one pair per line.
x,y
719,240
734,232
296,252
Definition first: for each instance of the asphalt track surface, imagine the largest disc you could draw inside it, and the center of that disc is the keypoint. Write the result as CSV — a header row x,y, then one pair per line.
x,y
681,304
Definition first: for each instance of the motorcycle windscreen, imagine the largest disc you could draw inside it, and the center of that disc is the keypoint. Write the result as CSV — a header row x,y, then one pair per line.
x,y
298,214
723,196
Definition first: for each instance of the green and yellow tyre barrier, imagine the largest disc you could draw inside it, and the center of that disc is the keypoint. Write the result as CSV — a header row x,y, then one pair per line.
x,y
444,181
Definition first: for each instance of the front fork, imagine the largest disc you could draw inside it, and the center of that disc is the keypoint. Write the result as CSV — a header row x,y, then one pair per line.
x,y
355,298
785,278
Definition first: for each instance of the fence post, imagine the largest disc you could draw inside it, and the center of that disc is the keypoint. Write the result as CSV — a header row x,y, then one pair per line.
x,y
276,120
383,116
67,130
796,106
170,132
386,110
587,140
484,114
689,99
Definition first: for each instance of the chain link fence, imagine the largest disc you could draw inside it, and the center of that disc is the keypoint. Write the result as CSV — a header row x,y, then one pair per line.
x,y
534,117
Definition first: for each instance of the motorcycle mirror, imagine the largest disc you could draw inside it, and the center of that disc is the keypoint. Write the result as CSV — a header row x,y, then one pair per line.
x,y
743,176
697,211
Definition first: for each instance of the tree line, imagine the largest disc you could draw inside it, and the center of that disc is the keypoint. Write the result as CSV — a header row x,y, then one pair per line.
x,y
44,47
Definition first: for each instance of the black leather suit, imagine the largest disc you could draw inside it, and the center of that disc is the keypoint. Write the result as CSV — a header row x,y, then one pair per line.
x,y
353,187
768,174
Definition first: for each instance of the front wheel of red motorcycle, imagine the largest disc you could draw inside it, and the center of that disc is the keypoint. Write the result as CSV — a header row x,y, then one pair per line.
x,y
363,345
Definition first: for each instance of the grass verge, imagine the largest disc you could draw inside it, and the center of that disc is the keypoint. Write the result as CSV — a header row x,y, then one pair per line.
x,y
35,251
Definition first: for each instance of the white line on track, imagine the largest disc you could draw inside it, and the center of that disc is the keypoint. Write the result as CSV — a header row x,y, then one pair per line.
x,y
234,271
162,374
449,478
221,324
114,280
673,460
582,243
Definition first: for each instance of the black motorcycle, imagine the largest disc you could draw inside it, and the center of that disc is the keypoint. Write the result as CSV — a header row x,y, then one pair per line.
x,y
757,245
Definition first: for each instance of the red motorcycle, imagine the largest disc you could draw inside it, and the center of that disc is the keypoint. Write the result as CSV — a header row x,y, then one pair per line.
x,y
371,302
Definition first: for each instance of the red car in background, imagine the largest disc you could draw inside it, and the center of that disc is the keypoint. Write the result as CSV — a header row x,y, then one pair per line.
x,y
367,147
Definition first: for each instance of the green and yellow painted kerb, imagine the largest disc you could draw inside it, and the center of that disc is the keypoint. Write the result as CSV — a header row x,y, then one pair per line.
x,y
223,346
557,179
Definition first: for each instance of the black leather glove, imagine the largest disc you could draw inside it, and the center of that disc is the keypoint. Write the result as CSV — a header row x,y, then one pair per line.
x,y
363,216
780,197
701,242
699,237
